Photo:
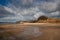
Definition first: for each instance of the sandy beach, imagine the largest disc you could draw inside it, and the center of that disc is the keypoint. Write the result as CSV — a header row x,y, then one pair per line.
x,y
30,31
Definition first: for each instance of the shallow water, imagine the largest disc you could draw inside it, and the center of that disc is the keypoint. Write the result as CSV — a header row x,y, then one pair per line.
x,y
30,33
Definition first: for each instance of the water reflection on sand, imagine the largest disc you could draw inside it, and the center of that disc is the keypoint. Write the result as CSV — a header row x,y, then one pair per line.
x,y
25,34
34,32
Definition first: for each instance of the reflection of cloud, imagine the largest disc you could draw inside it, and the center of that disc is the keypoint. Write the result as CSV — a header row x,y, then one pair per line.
x,y
29,32
32,9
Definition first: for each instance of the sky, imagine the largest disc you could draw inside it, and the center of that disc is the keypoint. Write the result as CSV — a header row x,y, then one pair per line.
x,y
21,10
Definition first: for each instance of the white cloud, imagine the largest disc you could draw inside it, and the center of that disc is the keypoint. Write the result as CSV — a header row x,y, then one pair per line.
x,y
26,2
48,6
8,9
55,13
39,14
38,9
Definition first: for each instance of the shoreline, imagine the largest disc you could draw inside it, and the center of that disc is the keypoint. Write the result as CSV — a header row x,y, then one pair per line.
x,y
30,24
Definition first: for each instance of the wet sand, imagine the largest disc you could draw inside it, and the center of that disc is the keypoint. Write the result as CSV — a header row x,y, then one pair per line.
x,y
30,31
